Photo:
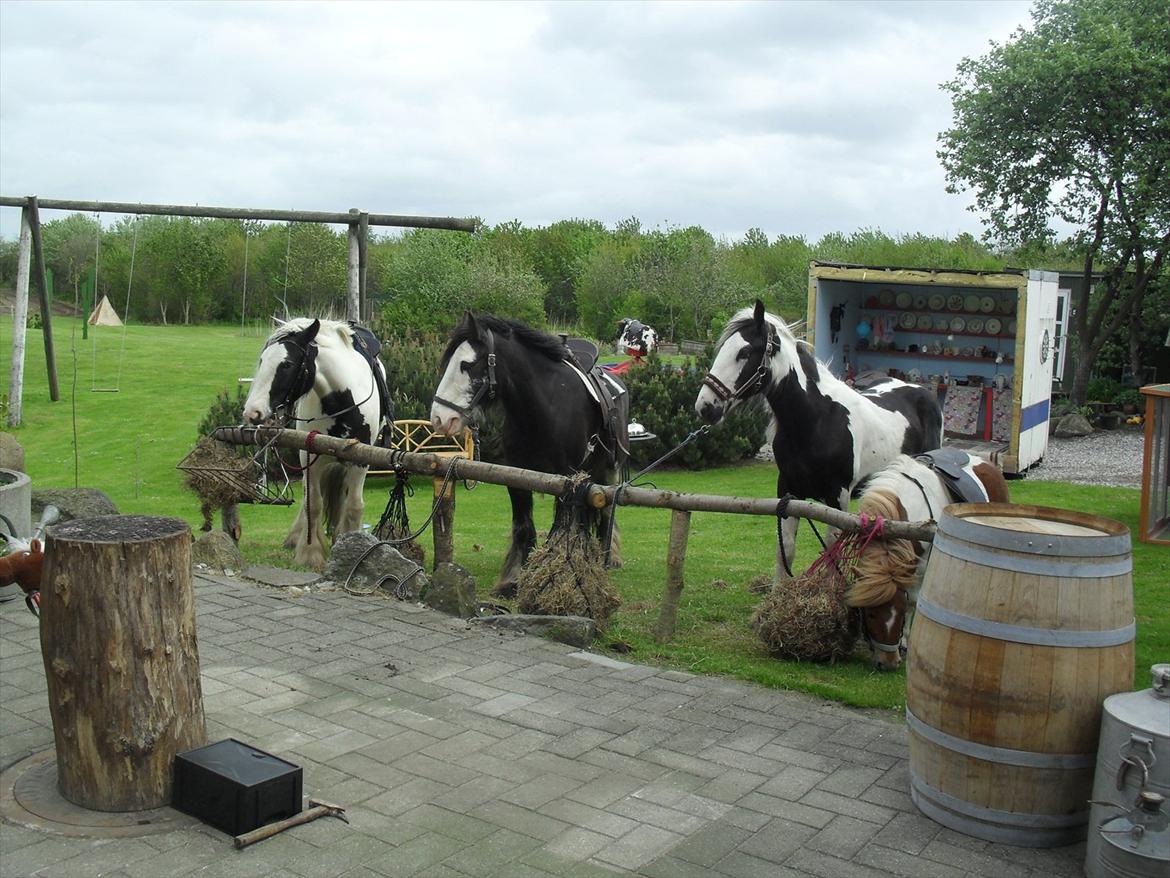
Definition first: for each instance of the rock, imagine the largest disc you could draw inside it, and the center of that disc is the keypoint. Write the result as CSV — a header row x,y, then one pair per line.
x,y
452,591
73,502
407,581
1072,425
217,551
573,630
11,453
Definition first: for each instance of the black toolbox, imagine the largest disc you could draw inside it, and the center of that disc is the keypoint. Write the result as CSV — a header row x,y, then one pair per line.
x,y
235,787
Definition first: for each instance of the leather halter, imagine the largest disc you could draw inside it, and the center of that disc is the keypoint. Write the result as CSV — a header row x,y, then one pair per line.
x,y
754,384
304,380
483,387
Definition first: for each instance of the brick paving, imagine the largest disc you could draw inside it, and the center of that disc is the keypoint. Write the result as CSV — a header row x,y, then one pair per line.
x,y
462,752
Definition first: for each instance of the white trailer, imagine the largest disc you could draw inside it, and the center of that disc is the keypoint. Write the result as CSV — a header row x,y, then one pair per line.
x,y
983,339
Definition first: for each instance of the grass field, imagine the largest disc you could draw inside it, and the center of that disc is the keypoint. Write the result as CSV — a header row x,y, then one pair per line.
x,y
127,443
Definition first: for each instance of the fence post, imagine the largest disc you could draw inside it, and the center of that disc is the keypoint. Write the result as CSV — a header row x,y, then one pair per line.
x,y
443,522
20,321
676,556
353,291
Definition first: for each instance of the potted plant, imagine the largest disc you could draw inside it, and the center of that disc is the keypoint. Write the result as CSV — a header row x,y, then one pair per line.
x,y
1129,401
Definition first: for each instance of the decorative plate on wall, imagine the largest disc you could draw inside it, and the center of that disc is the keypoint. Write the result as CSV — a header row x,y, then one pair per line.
x,y
906,321
987,304
941,324
886,297
955,303
903,300
937,302
1011,327
920,303
975,325
971,303
924,321
993,325
1007,306
958,324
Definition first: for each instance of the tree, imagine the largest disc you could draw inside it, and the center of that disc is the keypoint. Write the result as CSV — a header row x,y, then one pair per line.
x,y
1067,122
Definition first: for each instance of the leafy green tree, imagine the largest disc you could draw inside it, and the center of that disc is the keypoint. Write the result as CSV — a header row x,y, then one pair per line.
x,y
1066,122
70,245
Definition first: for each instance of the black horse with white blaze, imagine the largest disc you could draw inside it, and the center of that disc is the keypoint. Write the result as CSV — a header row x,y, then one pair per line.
x,y
826,436
557,418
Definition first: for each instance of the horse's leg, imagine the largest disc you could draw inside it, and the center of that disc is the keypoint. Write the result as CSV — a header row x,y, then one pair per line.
x,y
296,533
310,548
786,548
523,542
352,499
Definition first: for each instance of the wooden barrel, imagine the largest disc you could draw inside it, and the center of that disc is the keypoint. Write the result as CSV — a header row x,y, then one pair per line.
x,y
1024,626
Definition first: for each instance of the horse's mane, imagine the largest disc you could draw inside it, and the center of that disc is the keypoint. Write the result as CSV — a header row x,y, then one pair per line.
x,y
744,318
885,565
330,329
533,339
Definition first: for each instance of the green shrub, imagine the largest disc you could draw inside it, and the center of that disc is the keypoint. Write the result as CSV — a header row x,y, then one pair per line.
x,y
662,399
1130,396
226,411
1103,389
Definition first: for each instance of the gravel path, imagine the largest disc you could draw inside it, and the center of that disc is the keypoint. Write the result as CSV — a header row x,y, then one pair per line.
x,y
1106,457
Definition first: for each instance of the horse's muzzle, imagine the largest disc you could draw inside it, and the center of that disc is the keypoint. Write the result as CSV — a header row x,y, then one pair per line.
x,y
711,412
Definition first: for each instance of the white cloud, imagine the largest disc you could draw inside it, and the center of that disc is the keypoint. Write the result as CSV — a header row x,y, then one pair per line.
x,y
795,117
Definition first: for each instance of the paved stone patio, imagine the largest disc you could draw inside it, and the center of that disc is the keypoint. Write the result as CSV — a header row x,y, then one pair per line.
x,y
461,752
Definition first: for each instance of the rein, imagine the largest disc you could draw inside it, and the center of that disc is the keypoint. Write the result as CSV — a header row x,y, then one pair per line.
x,y
486,386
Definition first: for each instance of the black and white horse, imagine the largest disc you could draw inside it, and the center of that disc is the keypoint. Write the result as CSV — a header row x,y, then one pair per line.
x,y
826,437
322,375
636,338
553,418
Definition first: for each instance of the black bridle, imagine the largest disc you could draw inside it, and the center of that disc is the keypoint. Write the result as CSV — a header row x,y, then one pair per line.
x,y
754,384
304,379
485,386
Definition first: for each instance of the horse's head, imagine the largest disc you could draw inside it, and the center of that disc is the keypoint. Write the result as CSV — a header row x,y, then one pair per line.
x,y
469,375
743,362
285,372
882,580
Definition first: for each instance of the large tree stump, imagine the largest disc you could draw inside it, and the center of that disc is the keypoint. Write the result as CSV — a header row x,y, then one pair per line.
x,y
121,658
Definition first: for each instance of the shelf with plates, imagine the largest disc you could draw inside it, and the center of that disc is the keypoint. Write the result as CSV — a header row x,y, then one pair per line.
x,y
1007,361
947,323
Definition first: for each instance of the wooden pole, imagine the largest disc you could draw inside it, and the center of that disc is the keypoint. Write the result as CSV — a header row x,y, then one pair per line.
x,y
443,522
455,224
20,322
121,658
34,224
363,263
599,495
676,556
353,288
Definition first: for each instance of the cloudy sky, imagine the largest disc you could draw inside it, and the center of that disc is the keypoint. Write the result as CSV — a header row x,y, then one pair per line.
x,y
793,117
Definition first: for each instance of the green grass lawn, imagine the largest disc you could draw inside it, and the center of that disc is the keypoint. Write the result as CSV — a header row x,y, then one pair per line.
x,y
127,444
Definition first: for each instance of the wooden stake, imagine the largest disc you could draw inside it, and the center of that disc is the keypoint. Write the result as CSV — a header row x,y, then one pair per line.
x,y
676,556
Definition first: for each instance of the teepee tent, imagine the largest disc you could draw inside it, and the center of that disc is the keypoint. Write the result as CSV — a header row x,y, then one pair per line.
x,y
104,314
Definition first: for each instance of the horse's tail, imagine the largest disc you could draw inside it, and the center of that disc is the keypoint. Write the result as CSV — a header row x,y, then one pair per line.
x,y
885,565
332,492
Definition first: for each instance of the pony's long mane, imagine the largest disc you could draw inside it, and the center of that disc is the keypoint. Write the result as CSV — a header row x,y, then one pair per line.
x,y
885,565
330,329
533,339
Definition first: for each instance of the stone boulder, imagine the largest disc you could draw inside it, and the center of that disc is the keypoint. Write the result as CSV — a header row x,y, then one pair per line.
x,y
407,580
217,551
573,630
452,591
72,502
1073,425
11,453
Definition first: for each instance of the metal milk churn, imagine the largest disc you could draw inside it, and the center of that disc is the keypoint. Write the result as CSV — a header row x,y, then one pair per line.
x,y
1129,822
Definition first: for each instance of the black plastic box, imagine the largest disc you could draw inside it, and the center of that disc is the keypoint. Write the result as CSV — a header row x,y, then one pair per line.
x,y
235,787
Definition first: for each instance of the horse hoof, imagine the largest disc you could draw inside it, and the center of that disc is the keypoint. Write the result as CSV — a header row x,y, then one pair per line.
x,y
504,590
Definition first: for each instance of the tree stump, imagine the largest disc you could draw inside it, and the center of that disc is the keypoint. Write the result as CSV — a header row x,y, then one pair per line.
x,y
121,658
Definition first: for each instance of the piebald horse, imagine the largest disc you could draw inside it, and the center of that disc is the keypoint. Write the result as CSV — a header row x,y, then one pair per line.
x,y
324,376
826,436
885,576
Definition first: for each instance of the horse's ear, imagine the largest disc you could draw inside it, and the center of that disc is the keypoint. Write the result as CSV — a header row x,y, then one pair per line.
x,y
310,332
758,314
473,328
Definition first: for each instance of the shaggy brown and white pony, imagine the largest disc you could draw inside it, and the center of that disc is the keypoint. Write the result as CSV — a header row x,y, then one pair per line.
x,y
885,576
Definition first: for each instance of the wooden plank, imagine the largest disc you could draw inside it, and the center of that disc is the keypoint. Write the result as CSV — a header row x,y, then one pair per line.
x,y
676,555
20,322
34,223
994,280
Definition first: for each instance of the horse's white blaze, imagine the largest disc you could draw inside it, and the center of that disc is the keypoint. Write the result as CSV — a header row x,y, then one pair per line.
x,y
456,387
727,367
256,406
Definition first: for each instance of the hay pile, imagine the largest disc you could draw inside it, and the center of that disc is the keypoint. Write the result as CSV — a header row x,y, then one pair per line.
x,y
806,619
567,576
213,471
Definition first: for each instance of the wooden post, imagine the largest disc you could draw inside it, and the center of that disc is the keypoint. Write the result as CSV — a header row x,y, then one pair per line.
x,y
443,523
20,322
34,224
676,556
363,264
121,658
353,289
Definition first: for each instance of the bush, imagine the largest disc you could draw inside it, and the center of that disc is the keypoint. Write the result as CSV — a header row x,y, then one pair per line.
x,y
1103,389
1131,396
662,399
